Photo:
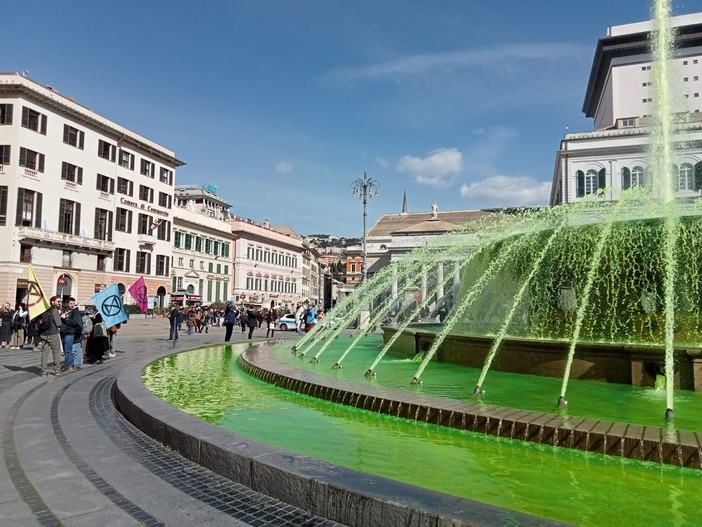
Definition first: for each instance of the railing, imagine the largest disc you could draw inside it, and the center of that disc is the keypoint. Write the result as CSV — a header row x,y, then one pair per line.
x,y
146,239
64,239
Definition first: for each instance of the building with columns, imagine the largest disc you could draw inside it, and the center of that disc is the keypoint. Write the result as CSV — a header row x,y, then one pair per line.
x,y
83,200
202,243
620,98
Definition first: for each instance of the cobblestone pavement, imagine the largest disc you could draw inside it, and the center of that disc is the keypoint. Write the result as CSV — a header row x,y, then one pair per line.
x,y
69,458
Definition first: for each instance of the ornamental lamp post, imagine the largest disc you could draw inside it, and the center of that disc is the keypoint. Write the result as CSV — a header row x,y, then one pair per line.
x,y
364,189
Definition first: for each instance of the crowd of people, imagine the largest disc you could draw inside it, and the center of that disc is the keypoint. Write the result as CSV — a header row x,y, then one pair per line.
x,y
63,329
248,318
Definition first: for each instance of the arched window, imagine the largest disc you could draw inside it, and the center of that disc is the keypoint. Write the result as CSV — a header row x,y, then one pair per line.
x,y
626,178
686,179
637,177
589,182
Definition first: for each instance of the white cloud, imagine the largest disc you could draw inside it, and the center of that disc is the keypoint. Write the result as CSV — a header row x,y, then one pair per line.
x,y
508,191
439,168
284,167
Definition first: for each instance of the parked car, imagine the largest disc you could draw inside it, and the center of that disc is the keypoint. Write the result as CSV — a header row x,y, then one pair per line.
x,y
286,322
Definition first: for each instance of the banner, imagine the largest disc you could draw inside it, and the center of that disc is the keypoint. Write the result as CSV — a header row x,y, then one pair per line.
x,y
139,293
37,302
109,304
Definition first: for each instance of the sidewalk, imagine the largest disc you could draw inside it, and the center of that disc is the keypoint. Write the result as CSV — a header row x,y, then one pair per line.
x,y
68,458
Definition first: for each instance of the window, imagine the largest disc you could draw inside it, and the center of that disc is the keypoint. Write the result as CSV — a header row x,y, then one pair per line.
x,y
166,176
5,114
124,186
226,269
202,265
25,253
106,150
103,225
5,154
225,250
69,217
164,200
146,193
180,262
628,123
101,263
31,159
71,173
210,267
73,136
590,182
684,63
685,79
29,205
3,205
188,241
686,179
122,257
176,238
124,220
219,268
148,168
198,244
33,120
144,224
126,159
208,246
105,184
164,230
192,263
143,262
215,248
637,177
162,265
67,259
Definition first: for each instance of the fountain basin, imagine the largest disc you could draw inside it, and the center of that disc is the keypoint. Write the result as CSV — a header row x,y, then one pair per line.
x,y
635,364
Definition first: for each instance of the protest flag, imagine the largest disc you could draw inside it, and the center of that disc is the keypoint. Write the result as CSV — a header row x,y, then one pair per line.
x,y
139,293
37,302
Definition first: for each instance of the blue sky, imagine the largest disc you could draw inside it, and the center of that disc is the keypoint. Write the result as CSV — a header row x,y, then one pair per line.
x,y
283,103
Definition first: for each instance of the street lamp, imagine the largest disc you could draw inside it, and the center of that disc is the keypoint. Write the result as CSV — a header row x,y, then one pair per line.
x,y
364,189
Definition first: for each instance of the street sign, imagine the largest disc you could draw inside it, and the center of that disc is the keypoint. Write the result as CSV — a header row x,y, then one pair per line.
x,y
61,280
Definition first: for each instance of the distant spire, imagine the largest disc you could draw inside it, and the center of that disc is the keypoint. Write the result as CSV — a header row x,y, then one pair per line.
x,y
404,203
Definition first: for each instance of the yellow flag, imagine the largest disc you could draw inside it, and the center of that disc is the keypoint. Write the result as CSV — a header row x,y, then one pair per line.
x,y
37,302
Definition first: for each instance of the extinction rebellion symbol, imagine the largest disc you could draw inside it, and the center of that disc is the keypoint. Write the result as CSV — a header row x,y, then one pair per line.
x,y
111,306
141,295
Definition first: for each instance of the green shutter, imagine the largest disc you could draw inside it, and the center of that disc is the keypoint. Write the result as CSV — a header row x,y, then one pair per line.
x,y
580,184
602,179
626,178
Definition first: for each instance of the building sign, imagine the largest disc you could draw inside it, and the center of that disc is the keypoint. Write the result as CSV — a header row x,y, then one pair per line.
x,y
143,206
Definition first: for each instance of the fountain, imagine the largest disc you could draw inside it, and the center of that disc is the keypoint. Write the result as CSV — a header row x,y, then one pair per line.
x,y
543,303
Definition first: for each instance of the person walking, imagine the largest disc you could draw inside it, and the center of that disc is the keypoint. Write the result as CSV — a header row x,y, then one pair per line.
x,y
50,337
242,320
310,318
6,314
271,317
299,317
174,317
251,321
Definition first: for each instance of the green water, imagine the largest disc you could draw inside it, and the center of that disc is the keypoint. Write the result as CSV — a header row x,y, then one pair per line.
x,y
596,400
565,485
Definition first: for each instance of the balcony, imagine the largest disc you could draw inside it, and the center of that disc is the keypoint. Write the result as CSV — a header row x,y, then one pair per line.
x,y
68,241
146,239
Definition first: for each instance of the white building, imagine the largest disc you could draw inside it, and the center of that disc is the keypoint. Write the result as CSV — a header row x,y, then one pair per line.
x,y
620,98
202,241
267,264
84,200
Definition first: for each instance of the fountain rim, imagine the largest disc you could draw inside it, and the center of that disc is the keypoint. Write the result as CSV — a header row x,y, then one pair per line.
x,y
337,493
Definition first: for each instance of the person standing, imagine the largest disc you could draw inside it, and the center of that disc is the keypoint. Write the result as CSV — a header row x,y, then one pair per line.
x,y
299,317
71,325
230,320
242,320
174,318
19,325
310,318
50,338
6,314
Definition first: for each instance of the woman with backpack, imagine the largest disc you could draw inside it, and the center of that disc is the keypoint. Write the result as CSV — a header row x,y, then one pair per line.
x,y
230,320
98,342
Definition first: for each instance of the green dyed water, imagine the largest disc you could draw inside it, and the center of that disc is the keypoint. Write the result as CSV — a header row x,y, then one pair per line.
x,y
560,484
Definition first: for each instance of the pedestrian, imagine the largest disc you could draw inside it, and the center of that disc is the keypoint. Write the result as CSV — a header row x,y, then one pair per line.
x,y
49,326
230,320
112,331
98,342
299,317
310,318
6,314
251,321
442,313
71,325
19,325
271,317
174,317
242,320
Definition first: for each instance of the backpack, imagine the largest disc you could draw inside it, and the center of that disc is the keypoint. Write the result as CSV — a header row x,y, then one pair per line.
x,y
99,330
231,318
43,322
87,324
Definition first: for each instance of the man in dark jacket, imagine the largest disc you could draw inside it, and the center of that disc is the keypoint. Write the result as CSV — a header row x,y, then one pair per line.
x,y
50,339
71,330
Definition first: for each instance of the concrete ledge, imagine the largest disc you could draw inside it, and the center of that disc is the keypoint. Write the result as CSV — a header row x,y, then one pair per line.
x,y
646,443
340,494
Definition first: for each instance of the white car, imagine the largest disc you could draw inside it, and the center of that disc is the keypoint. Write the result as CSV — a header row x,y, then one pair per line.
x,y
286,322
